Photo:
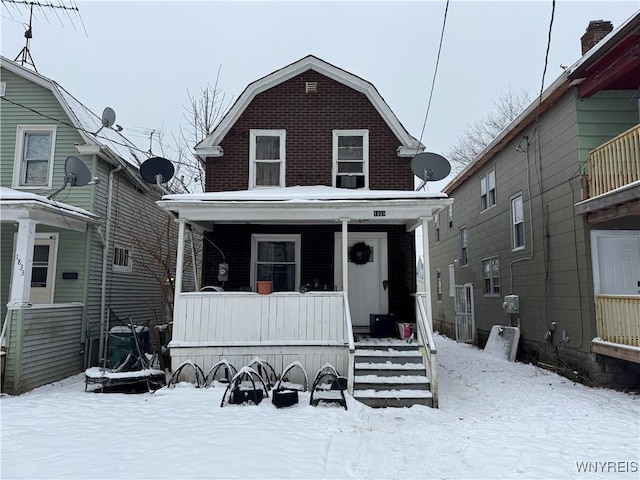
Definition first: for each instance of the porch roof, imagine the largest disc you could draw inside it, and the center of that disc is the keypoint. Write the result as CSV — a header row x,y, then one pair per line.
x,y
18,205
313,204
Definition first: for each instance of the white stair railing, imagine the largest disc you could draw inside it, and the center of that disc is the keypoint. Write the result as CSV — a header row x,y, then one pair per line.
x,y
426,340
352,347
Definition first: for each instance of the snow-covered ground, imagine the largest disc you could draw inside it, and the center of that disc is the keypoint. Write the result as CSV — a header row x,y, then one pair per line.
x,y
497,420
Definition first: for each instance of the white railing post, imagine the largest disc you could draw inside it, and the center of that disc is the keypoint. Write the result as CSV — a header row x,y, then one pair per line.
x,y
179,264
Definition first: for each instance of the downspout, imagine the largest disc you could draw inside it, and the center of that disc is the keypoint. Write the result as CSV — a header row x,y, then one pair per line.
x,y
105,253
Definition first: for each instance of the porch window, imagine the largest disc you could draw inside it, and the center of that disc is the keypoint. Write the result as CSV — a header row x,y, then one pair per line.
x,y
491,269
276,258
464,247
517,222
34,156
122,258
351,158
488,190
267,158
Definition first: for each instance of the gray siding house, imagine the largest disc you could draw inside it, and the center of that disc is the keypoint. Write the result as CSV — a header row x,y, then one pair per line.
x,y
549,211
67,259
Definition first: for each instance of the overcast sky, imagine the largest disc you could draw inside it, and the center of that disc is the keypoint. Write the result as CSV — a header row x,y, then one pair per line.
x,y
139,58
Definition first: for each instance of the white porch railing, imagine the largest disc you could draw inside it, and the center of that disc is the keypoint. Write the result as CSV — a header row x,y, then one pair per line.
x,y
426,340
244,319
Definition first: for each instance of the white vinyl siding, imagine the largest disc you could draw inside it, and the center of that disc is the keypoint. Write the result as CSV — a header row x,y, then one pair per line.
x,y
267,158
34,153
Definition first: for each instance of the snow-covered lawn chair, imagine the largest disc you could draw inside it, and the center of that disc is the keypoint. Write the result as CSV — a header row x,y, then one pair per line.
x,y
246,386
193,374
224,367
328,387
265,370
285,392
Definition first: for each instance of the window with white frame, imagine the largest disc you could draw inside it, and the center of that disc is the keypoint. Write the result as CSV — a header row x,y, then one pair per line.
x,y
122,261
517,222
491,269
436,227
276,258
351,158
488,190
267,158
34,152
450,216
439,285
464,247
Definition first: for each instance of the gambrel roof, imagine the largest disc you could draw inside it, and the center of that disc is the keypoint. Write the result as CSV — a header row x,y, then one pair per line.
x,y
210,146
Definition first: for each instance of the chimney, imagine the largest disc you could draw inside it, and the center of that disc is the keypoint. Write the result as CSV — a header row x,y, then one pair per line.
x,y
596,31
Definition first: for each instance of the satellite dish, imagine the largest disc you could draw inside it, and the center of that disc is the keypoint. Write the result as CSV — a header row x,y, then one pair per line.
x,y
108,117
157,170
430,167
76,174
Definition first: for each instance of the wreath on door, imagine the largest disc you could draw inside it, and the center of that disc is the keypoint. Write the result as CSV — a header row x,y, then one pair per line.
x,y
360,253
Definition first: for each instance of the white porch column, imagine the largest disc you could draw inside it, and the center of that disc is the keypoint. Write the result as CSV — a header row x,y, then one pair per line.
x,y
345,256
179,264
22,264
427,269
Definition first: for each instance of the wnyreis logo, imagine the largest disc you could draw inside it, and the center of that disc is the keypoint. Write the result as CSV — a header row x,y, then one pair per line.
x,y
606,467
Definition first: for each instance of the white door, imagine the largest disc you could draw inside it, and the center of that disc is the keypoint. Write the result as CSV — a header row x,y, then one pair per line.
x,y
617,262
43,270
368,285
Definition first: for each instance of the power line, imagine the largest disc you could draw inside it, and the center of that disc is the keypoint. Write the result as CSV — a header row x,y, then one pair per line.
x,y
435,71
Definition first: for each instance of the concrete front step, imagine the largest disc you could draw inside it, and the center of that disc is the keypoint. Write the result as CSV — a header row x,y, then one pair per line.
x,y
394,398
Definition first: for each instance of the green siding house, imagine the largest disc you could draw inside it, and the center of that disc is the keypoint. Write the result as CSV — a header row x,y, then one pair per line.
x,y
550,212
68,257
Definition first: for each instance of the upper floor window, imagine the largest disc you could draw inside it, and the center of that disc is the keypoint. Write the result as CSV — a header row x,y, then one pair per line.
x,y
267,158
491,269
450,216
33,165
436,226
439,285
517,222
351,158
122,259
488,190
464,247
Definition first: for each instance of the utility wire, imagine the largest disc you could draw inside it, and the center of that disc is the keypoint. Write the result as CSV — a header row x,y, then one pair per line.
x,y
435,72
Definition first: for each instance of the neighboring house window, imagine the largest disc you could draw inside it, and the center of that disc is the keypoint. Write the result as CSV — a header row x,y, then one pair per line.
x,y
267,158
491,269
439,285
276,258
436,226
488,190
450,216
517,222
351,158
464,247
34,156
122,258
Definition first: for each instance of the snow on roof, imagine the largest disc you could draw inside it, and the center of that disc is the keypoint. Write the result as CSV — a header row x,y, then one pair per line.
x,y
87,122
304,194
14,197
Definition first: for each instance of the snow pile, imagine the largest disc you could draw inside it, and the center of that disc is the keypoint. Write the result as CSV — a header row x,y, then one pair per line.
x,y
497,420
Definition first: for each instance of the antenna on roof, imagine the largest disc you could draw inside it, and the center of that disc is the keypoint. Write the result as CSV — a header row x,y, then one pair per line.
x,y
430,167
76,174
25,54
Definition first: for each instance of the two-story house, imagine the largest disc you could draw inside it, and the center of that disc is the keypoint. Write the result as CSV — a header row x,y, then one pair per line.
x,y
70,254
549,212
309,189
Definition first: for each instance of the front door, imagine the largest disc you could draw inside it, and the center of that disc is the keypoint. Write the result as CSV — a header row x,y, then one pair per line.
x,y
616,263
43,270
367,274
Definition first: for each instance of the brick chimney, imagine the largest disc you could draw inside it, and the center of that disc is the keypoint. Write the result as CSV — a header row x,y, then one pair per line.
x,y
596,31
